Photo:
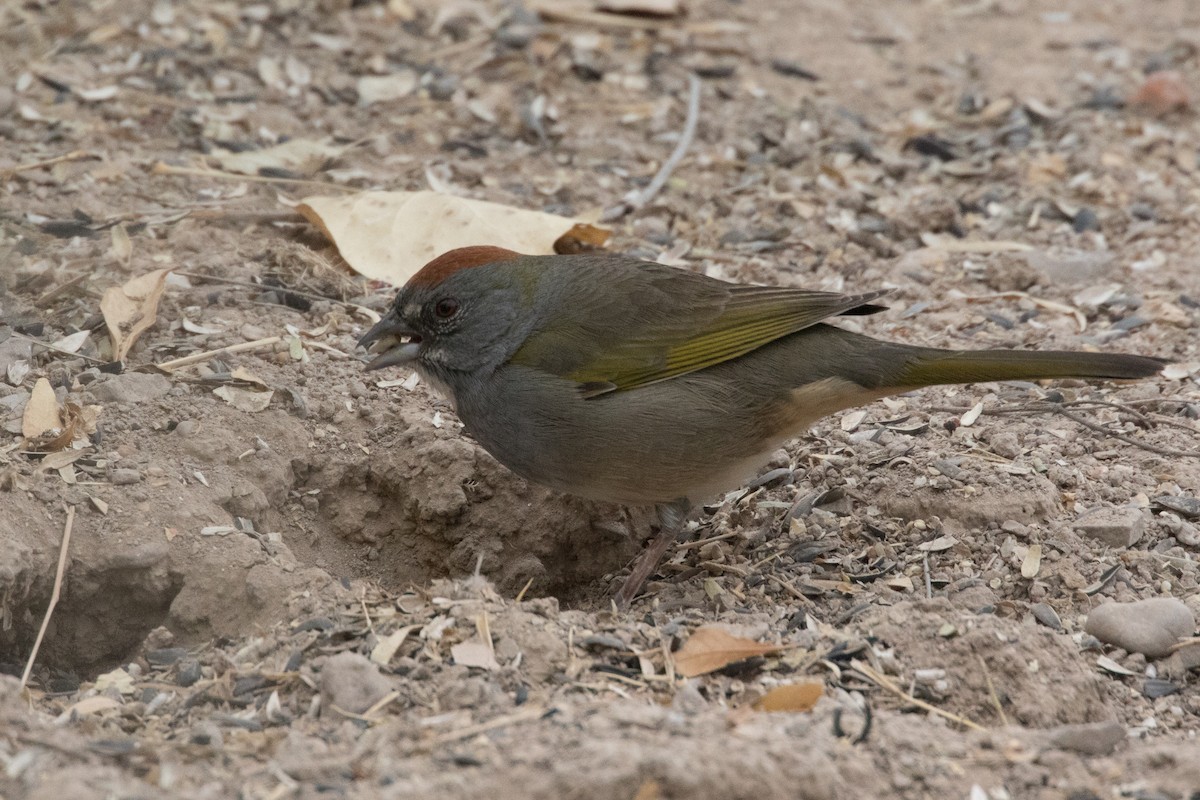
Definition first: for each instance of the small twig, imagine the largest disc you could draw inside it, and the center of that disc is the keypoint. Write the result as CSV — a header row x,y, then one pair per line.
x,y
51,347
720,537
1059,408
161,168
491,725
787,587
74,155
885,682
987,674
521,594
208,355
639,199
928,579
58,579
553,11
1120,437
371,314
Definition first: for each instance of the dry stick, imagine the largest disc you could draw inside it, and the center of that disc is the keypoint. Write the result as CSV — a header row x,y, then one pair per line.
x,y
40,343
1120,437
208,355
166,169
74,155
886,683
643,197
490,725
58,579
373,315
987,674
1056,408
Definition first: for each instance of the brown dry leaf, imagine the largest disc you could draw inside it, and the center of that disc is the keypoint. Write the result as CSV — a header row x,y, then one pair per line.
x,y
131,309
77,421
582,238
649,790
41,415
791,697
1046,169
388,236
711,647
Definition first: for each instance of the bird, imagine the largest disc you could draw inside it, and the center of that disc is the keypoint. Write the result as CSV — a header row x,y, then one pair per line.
x,y
626,381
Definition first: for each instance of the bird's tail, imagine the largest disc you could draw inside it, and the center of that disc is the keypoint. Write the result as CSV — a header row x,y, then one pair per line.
x,y
934,367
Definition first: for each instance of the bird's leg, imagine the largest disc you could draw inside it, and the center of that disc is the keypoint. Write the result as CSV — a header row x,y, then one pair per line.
x,y
671,517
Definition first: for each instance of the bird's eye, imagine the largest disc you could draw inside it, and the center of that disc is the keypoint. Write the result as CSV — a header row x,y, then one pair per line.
x,y
446,308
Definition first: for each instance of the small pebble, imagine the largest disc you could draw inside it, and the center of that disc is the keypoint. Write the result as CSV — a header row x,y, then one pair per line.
x,y
1085,220
352,683
125,476
1149,626
1161,93
1115,527
1089,738
207,734
189,672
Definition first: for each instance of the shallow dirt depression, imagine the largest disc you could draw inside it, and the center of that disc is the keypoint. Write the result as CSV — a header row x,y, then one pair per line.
x,y
407,502
232,573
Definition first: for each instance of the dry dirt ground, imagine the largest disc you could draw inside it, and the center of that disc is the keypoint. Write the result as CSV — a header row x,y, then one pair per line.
x,y
231,572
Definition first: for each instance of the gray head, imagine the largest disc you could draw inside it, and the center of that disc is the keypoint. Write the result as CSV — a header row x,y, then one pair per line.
x,y
464,312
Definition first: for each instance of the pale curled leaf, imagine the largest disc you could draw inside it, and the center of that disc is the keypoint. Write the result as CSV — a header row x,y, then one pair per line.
x,y
41,414
131,309
388,236
791,697
712,647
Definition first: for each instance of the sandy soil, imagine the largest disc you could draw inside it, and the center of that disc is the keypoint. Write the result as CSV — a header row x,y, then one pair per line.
x,y
231,573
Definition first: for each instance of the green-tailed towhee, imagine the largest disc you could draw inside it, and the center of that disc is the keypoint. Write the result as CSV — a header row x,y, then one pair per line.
x,y
636,383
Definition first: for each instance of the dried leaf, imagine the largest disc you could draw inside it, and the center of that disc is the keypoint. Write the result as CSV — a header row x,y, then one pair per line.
x,y
1032,562
383,652
294,157
653,8
203,330
72,343
387,236
474,653
951,244
118,679
122,245
853,420
1107,664
248,400
583,237
88,705
41,415
937,545
131,309
791,697
386,88
712,647
968,419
